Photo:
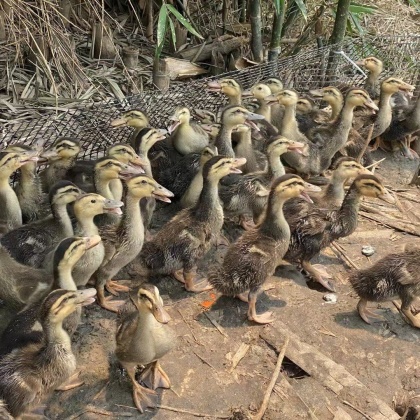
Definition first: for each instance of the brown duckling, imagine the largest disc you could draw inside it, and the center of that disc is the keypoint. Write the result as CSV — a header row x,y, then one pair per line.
x,y
143,338
23,327
188,236
395,275
33,202
10,211
61,156
375,67
308,115
253,258
191,196
187,137
318,229
333,97
31,373
123,243
30,243
229,87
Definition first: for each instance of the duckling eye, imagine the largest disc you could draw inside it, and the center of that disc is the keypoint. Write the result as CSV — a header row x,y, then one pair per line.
x,y
144,182
93,201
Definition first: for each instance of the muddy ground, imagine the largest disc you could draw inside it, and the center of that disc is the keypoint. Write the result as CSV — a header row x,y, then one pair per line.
x,y
383,356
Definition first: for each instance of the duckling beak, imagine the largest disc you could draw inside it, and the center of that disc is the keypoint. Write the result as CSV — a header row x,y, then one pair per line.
x,y
235,164
160,313
29,157
162,194
86,297
370,104
251,117
387,197
138,162
162,134
271,100
214,86
360,62
119,122
49,154
316,93
91,241
208,128
306,197
131,170
296,147
174,125
405,87
113,206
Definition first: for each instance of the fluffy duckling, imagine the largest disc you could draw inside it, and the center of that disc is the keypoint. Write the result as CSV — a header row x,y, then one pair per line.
x,y
261,91
30,243
395,275
10,211
135,118
61,156
333,97
187,137
229,87
375,67
188,236
318,229
32,200
253,258
23,328
191,196
123,243
31,373
277,110
143,338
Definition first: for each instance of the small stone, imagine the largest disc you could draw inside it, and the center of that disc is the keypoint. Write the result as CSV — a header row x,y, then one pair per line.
x,y
368,250
330,298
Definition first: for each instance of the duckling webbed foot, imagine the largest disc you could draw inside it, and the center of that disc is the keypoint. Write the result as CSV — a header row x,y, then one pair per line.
x,y
244,296
155,377
113,287
366,313
319,274
410,314
71,383
143,397
265,318
246,224
106,302
191,284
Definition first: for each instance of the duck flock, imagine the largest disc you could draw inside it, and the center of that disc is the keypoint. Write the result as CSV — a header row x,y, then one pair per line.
x,y
289,174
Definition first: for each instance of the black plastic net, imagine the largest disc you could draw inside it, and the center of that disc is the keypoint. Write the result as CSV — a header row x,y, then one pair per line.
x,y
306,70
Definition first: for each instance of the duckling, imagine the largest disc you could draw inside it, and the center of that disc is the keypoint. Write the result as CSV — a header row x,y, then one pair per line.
x,y
277,110
248,195
30,373
29,244
22,329
318,229
308,115
188,236
260,91
143,338
333,97
229,87
187,137
191,196
32,200
123,243
395,275
61,156
135,118
375,67
10,211
253,258
231,117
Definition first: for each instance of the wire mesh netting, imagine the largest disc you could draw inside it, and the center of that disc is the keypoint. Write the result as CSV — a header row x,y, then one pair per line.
x,y
310,69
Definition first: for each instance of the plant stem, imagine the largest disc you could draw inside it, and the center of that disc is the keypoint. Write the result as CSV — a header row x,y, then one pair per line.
x,y
340,23
256,30
278,20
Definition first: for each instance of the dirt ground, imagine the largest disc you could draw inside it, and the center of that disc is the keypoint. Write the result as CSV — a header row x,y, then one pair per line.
x,y
383,356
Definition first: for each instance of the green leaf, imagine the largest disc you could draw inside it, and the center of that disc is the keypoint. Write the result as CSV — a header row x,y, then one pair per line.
x,y
173,33
360,8
183,21
161,29
278,5
302,7
356,22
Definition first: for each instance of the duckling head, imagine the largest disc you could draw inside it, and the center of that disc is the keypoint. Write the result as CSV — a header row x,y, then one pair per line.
x,y
258,91
11,161
147,299
63,148
207,153
393,85
279,145
147,137
286,97
230,87
107,168
347,167
24,148
371,186
61,303
219,166
180,116
234,115
304,105
373,64
143,186
90,205
125,154
205,116
359,97
329,94
64,192
70,250
274,84
134,118
211,128
290,186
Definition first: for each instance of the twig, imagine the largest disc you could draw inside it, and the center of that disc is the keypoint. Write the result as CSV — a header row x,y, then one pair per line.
x,y
239,355
193,413
215,323
189,327
375,164
356,409
204,360
342,254
401,226
100,392
94,410
369,138
273,381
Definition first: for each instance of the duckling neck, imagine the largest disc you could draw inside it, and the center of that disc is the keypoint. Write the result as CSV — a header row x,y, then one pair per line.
x,y
244,149
414,119
193,192
103,188
208,203
275,224
223,141
341,130
55,334
346,221
336,107
59,212
63,278
87,226
143,153
289,127
335,189
264,110
132,223
370,84
384,117
275,167
235,100
10,210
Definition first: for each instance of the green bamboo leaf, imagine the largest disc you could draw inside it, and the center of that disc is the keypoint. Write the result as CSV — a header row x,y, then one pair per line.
x,y
356,22
302,7
173,33
161,25
183,21
360,8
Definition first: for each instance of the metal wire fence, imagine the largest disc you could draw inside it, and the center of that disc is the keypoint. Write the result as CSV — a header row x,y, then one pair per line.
x,y
306,70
